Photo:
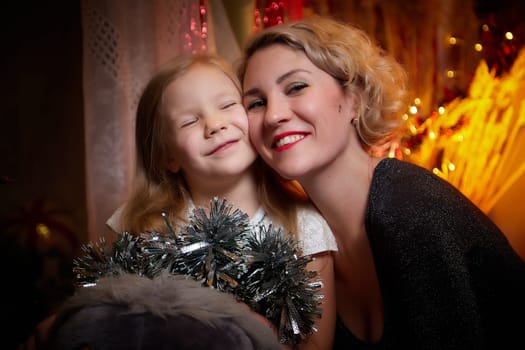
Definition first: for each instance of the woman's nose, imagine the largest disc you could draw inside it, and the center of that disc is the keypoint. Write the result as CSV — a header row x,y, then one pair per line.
x,y
276,112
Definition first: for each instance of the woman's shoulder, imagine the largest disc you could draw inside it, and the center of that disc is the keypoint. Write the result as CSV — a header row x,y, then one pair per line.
x,y
404,182
395,168
406,197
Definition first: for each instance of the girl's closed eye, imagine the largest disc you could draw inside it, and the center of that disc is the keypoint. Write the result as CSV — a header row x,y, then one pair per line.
x,y
228,105
186,122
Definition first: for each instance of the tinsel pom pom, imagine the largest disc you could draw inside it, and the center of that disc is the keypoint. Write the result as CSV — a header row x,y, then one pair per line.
x,y
278,286
211,246
97,261
261,266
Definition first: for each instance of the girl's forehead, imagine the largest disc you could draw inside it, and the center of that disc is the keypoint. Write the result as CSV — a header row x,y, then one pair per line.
x,y
199,85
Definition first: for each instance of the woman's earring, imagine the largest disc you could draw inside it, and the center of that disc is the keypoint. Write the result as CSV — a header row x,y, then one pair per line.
x,y
354,121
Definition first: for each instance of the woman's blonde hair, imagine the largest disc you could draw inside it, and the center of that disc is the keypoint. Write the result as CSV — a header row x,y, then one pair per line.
x,y
157,189
360,66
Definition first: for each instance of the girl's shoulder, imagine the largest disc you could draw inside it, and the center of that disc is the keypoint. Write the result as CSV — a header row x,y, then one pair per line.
x,y
314,233
114,220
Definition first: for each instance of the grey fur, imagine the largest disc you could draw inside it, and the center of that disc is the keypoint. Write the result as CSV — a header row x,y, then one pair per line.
x,y
168,312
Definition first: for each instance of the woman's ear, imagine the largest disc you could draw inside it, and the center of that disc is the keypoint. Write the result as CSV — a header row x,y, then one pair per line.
x,y
348,109
353,105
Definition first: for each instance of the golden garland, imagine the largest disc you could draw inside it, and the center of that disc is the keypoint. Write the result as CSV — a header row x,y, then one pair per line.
x,y
474,142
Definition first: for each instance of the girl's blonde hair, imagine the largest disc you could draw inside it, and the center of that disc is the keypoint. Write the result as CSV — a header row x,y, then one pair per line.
x,y
157,189
361,67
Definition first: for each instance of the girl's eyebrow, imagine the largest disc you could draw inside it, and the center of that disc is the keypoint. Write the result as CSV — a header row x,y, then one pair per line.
x,y
279,80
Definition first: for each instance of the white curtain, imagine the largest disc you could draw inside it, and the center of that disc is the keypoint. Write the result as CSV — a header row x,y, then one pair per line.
x,y
124,42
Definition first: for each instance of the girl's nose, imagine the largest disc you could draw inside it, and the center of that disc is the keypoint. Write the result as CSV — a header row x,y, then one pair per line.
x,y
215,125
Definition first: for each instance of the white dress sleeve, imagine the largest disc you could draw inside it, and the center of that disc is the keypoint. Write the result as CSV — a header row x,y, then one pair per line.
x,y
114,220
315,236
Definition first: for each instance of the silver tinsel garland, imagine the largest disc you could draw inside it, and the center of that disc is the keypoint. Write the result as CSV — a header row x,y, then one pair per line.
x,y
261,266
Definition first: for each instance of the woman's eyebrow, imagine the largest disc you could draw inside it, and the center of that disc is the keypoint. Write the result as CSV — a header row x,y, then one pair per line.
x,y
279,80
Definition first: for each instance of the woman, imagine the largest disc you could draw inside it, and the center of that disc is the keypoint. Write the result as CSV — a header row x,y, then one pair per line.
x,y
418,265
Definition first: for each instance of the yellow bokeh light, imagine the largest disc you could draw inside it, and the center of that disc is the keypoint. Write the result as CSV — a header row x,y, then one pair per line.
x,y
509,36
452,40
485,27
417,101
413,109
459,138
478,47
43,230
472,144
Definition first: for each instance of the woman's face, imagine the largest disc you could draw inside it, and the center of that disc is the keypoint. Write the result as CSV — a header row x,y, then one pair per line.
x,y
299,115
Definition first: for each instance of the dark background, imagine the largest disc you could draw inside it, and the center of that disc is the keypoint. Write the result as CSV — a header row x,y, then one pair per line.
x,y
41,159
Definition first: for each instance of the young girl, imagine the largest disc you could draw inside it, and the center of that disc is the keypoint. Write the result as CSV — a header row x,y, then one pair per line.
x,y
418,265
192,144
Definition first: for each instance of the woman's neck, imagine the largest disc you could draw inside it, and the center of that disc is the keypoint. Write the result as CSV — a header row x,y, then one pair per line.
x,y
340,190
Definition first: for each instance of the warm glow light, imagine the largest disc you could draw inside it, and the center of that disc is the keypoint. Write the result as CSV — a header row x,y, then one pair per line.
x,y
452,40
450,74
478,47
459,138
417,101
473,144
405,117
413,109
42,230
509,36
485,27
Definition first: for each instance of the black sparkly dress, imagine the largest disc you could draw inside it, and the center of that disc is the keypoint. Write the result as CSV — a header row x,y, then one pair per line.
x,y
448,276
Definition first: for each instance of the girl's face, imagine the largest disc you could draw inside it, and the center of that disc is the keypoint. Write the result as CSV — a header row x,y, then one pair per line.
x,y
299,115
207,126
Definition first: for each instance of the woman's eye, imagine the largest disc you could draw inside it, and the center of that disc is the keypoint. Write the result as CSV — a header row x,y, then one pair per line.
x,y
296,87
255,104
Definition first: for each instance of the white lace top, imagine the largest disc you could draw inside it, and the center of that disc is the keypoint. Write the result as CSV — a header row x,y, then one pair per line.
x,y
314,234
